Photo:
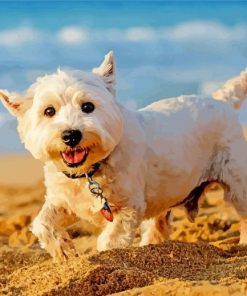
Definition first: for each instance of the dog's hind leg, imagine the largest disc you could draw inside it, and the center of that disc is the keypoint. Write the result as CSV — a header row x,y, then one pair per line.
x,y
49,227
239,201
156,230
241,207
234,179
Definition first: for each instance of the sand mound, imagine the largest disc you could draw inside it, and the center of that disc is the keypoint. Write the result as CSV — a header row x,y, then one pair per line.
x,y
120,270
33,273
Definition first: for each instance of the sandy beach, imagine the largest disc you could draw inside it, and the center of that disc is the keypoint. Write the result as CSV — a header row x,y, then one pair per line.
x,y
20,169
202,258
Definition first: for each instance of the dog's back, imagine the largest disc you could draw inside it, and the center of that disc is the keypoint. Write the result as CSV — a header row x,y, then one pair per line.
x,y
181,136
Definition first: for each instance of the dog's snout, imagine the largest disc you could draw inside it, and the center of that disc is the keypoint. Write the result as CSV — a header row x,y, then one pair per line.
x,y
71,137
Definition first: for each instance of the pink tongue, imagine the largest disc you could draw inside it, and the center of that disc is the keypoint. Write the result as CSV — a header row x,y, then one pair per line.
x,y
75,156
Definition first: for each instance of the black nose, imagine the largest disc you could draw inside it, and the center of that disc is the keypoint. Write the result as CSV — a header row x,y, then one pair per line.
x,y
71,137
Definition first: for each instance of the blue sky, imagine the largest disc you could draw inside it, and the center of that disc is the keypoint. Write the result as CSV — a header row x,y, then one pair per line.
x,y
162,48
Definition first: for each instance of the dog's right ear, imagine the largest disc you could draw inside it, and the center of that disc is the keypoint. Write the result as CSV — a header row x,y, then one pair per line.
x,y
12,102
107,70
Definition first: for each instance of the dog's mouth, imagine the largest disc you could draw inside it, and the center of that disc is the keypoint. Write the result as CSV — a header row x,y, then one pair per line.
x,y
75,157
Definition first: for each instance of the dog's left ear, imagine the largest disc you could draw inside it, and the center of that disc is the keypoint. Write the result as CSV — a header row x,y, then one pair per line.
x,y
107,70
12,102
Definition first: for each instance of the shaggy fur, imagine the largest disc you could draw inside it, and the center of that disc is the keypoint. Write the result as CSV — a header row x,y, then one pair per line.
x,y
151,160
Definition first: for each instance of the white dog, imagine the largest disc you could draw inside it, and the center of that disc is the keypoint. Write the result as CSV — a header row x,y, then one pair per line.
x,y
117,168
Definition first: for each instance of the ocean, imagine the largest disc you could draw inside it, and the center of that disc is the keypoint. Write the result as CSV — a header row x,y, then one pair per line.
x,y
162,48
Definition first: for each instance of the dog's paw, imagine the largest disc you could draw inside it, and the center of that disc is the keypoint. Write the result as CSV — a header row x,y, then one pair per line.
x,y
243,240
61,248
105,242
243,232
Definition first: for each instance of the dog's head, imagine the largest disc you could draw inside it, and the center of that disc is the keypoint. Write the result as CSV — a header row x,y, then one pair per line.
x,y
70,118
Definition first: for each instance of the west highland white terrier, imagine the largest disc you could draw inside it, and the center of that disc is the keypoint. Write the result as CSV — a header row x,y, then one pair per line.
x,y
118,168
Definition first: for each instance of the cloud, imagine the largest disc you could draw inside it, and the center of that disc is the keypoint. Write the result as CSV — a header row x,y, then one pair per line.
x,y
200,32
186,32
72,35
18,36
205,31
141,34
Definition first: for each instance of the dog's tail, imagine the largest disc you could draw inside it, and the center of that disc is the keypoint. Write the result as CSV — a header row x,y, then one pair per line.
x,y
234,90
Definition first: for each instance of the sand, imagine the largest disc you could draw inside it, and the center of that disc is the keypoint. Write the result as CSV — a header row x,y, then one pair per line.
x,y
19,169
202,258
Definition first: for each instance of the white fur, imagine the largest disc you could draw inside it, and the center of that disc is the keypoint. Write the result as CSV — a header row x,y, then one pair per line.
x,y
234,90
151,159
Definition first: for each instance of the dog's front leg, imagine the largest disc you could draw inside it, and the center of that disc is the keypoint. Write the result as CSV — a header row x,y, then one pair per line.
x,y
156,230
49,225
119,233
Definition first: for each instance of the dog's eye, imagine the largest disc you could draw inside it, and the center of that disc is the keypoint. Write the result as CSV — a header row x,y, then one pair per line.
x,y
87,107
50,111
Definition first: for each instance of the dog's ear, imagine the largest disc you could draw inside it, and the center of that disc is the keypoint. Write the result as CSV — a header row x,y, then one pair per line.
x,y
107,70
12,102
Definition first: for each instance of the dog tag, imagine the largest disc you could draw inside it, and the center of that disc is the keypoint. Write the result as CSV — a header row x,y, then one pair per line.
x,y
106,212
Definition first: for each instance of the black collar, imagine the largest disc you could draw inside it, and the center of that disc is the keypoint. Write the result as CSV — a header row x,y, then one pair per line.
x,y
94,169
